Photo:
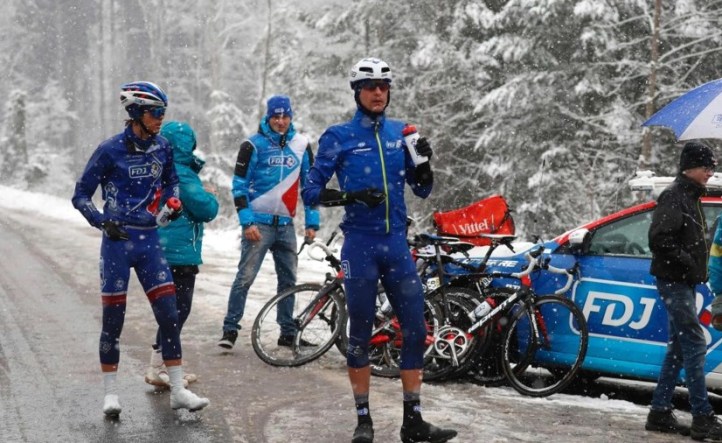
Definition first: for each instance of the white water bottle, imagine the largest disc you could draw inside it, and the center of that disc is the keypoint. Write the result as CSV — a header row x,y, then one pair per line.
x,y
171,207
411,137
482,309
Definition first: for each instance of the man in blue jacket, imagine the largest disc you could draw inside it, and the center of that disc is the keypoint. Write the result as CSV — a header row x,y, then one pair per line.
x,y
182,239
271,167
135,171
371,161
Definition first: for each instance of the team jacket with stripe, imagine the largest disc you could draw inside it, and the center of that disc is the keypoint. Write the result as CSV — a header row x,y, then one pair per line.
x,y
269,171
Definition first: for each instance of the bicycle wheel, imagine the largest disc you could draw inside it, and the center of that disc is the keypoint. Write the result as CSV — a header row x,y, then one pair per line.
x,y
544,346
342,339
454,350
487,366
386,340
317,316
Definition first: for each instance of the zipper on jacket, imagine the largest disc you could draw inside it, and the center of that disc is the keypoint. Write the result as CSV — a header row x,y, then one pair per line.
x,y
383,173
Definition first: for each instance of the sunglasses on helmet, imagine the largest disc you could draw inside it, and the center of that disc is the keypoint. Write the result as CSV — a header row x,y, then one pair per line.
x,y
157,112
372,85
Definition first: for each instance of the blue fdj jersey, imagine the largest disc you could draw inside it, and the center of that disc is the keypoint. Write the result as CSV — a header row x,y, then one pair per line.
x,y
366,153
136,177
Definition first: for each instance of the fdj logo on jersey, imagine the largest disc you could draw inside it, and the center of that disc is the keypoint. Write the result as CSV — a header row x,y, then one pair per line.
x,y
278,160
147,170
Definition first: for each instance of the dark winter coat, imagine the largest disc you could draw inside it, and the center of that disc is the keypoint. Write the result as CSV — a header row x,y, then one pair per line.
x,y
182,239
677,235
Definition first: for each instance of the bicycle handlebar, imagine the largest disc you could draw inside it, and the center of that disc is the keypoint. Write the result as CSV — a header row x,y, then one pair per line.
x,y
533,263
316,244
568,272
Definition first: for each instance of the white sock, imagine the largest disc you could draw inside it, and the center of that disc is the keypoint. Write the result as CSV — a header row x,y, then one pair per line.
x,y
175,373
110,381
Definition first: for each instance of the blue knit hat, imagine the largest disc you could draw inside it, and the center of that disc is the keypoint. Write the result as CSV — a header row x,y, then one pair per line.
x,y
279,104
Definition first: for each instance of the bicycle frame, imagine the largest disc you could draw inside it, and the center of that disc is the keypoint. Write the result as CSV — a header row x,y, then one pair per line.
x,y
524,295
320,300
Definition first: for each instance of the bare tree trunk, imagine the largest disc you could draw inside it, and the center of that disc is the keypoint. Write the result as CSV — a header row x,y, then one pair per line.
x,y
266,63
104,28
367,36
645,159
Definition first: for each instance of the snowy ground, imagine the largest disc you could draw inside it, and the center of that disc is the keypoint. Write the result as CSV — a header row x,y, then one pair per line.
x,y
480,414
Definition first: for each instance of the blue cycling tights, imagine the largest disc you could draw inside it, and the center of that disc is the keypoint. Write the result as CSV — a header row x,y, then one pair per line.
x,y
366,259
141,251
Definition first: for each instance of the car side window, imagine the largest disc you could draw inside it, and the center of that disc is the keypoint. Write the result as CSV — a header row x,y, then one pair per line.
x,y
628,236
711,215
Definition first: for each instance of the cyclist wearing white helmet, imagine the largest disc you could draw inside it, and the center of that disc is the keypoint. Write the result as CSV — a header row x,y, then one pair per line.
x,y
145,103
136,174
369,157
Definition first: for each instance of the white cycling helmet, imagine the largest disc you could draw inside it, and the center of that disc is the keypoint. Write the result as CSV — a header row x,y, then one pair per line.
x,y
369,69
135,97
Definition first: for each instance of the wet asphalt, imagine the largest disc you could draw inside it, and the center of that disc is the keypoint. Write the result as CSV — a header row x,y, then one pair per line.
x,y
51,388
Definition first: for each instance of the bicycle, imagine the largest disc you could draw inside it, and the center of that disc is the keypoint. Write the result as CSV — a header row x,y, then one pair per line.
x,y
319,316
545,338
445,316
538,354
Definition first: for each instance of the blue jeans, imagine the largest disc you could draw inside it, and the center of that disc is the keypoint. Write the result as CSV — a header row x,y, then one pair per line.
x,y
687,348
281,241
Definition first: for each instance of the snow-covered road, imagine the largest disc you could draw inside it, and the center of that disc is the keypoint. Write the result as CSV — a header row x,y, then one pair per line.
x,y
250,401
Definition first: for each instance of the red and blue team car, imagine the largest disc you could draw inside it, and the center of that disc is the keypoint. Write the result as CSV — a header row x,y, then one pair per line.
x,y
626,321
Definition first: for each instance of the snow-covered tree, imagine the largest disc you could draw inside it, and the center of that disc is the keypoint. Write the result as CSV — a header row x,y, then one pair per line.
x,y
14,140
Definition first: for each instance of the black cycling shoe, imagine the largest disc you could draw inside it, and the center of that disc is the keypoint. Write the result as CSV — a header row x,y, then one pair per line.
x,y
426,432
364,433
287,340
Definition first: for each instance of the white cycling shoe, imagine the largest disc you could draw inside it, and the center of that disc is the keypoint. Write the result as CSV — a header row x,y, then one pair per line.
x,y
157,376
111,405
185,399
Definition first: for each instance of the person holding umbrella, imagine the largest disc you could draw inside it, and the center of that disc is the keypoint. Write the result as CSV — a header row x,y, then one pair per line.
x,y
677,238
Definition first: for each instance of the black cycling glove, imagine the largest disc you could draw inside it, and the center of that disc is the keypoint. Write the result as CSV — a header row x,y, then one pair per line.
x,y
113,230
369,197
423,174
424,148
175,214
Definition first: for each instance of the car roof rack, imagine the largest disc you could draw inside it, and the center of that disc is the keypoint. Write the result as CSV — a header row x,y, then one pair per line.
x,y
647,181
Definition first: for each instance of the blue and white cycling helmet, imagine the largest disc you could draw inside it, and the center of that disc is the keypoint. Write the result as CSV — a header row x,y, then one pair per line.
x,y
138,97
369,69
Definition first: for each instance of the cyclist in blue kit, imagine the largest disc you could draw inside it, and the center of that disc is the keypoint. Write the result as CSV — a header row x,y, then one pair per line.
x,y
135,172
368,155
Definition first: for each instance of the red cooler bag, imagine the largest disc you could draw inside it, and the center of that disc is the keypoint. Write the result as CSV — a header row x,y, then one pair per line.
x,y
490,215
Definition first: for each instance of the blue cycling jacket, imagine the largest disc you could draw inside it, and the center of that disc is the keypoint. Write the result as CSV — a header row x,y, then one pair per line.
x,y
269,170
136,176
366,153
